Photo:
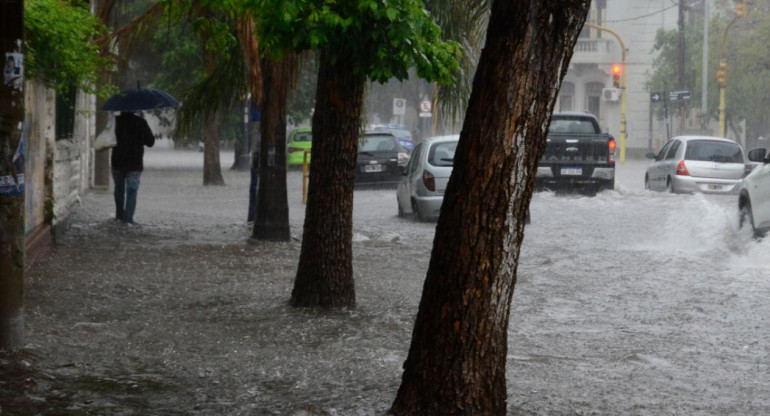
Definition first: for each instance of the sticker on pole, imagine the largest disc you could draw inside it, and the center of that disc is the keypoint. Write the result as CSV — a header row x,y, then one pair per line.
x,y
13,71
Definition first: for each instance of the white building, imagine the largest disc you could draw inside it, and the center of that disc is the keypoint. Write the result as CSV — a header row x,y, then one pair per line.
x,y
635,22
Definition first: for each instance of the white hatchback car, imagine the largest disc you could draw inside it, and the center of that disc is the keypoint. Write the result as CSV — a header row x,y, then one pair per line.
x,y
704,164
754,194
421,191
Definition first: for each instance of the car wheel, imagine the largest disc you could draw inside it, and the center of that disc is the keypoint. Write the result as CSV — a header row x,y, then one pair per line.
x,y
416,213
747,219
646,182
670,186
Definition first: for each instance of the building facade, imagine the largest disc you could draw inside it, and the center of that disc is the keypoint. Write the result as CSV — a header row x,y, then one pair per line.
x,y
588,85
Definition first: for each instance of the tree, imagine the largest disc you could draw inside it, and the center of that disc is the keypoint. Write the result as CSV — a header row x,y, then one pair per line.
x,y
456,362
272,220
357,39
748,76
11,201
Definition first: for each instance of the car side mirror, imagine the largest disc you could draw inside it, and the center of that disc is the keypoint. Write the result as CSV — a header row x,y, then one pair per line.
x,y
758,155
649,155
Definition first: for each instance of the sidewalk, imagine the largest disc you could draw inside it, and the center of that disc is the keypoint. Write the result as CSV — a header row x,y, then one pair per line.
x,y
181,315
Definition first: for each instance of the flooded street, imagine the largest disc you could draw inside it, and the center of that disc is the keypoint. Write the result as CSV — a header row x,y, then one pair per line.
x,y
631,302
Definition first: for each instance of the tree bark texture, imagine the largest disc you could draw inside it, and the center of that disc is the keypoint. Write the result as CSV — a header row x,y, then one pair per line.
x,y
11,204
212,167
325,272
457,359
272,221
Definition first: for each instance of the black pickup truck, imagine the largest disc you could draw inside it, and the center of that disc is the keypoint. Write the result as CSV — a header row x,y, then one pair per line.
x,y
577,155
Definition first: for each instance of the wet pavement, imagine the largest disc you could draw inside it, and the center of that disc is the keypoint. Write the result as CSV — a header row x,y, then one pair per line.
x,y
631,302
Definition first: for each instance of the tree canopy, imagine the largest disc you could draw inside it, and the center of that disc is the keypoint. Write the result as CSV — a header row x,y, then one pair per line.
x,y
748,74
60,46
390,37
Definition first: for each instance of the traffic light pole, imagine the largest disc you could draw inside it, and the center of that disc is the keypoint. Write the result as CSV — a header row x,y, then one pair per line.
x,y
740,12
622,88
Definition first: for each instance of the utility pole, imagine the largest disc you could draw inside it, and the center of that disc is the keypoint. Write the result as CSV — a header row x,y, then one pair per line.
x,y
11,175
680,64
705,68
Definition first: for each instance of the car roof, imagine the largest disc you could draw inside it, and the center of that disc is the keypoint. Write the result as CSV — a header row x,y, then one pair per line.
x,y
574,114
713,138
437,139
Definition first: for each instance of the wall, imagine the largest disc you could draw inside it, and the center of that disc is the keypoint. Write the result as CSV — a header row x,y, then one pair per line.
x,y
56,172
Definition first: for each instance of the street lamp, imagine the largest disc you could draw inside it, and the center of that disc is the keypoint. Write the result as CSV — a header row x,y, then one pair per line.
x,y
622,86
721,74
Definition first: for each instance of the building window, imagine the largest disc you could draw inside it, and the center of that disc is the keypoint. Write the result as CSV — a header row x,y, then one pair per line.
x,y
65,114
567,96
593,97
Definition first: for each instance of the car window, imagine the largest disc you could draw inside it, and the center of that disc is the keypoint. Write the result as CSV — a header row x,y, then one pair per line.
x,y
672,151
374,143
574,125
303,137
415,159
663,151
714,151
442,154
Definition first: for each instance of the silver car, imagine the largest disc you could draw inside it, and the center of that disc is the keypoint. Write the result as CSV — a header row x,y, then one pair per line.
x,y
754,195
421,191
688,164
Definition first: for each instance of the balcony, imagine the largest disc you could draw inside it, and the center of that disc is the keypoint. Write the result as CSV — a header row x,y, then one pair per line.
x,y
595,51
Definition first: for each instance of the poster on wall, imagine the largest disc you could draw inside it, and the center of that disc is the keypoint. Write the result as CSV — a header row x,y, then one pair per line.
x,y
13,70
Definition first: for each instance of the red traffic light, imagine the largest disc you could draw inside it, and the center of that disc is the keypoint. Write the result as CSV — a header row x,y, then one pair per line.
x,y
617,71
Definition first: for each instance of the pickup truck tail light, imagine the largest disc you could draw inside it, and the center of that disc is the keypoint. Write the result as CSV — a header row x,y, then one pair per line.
x,y
429,180
681,169
612,145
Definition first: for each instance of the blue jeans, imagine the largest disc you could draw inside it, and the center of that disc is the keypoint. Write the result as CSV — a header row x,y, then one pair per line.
x,y
126,187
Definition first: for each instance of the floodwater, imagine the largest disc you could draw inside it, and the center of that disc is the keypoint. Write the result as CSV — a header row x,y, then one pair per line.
x,y
630,302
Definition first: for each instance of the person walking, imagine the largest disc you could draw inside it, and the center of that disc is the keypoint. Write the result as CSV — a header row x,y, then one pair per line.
x,y
132,133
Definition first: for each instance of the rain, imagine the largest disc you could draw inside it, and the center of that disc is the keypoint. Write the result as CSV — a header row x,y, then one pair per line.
x,y
630,302
626,301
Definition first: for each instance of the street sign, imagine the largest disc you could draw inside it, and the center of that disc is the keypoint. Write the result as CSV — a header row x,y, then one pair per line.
x,y
656,97
399,106
683,95
425,108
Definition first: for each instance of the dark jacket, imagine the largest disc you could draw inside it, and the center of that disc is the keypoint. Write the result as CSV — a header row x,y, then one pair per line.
x,y
133,134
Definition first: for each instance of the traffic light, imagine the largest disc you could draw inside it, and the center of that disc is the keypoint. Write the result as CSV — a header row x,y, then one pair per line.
x,y
722,74
617,72
741,8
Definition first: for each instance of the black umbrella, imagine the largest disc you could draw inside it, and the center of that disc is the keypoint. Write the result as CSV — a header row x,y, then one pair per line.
x,y
137,99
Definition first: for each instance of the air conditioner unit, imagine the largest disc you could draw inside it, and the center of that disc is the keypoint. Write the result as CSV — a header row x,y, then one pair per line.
x,y
611,94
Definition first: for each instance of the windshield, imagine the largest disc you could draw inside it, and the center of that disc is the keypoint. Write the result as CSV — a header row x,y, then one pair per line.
x,y
714,151
442,154
374,143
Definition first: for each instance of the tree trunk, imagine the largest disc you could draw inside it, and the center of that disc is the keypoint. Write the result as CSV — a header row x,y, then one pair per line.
x,y
272,222
11,197
212,169
457,359
325,272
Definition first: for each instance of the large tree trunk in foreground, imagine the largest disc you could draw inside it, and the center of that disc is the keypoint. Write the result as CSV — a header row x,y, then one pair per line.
x,y
212,168
11,198
325,272
272,221
457,360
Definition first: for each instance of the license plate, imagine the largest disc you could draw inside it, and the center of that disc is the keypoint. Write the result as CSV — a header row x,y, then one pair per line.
x,y
571,171
372,168
715,187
